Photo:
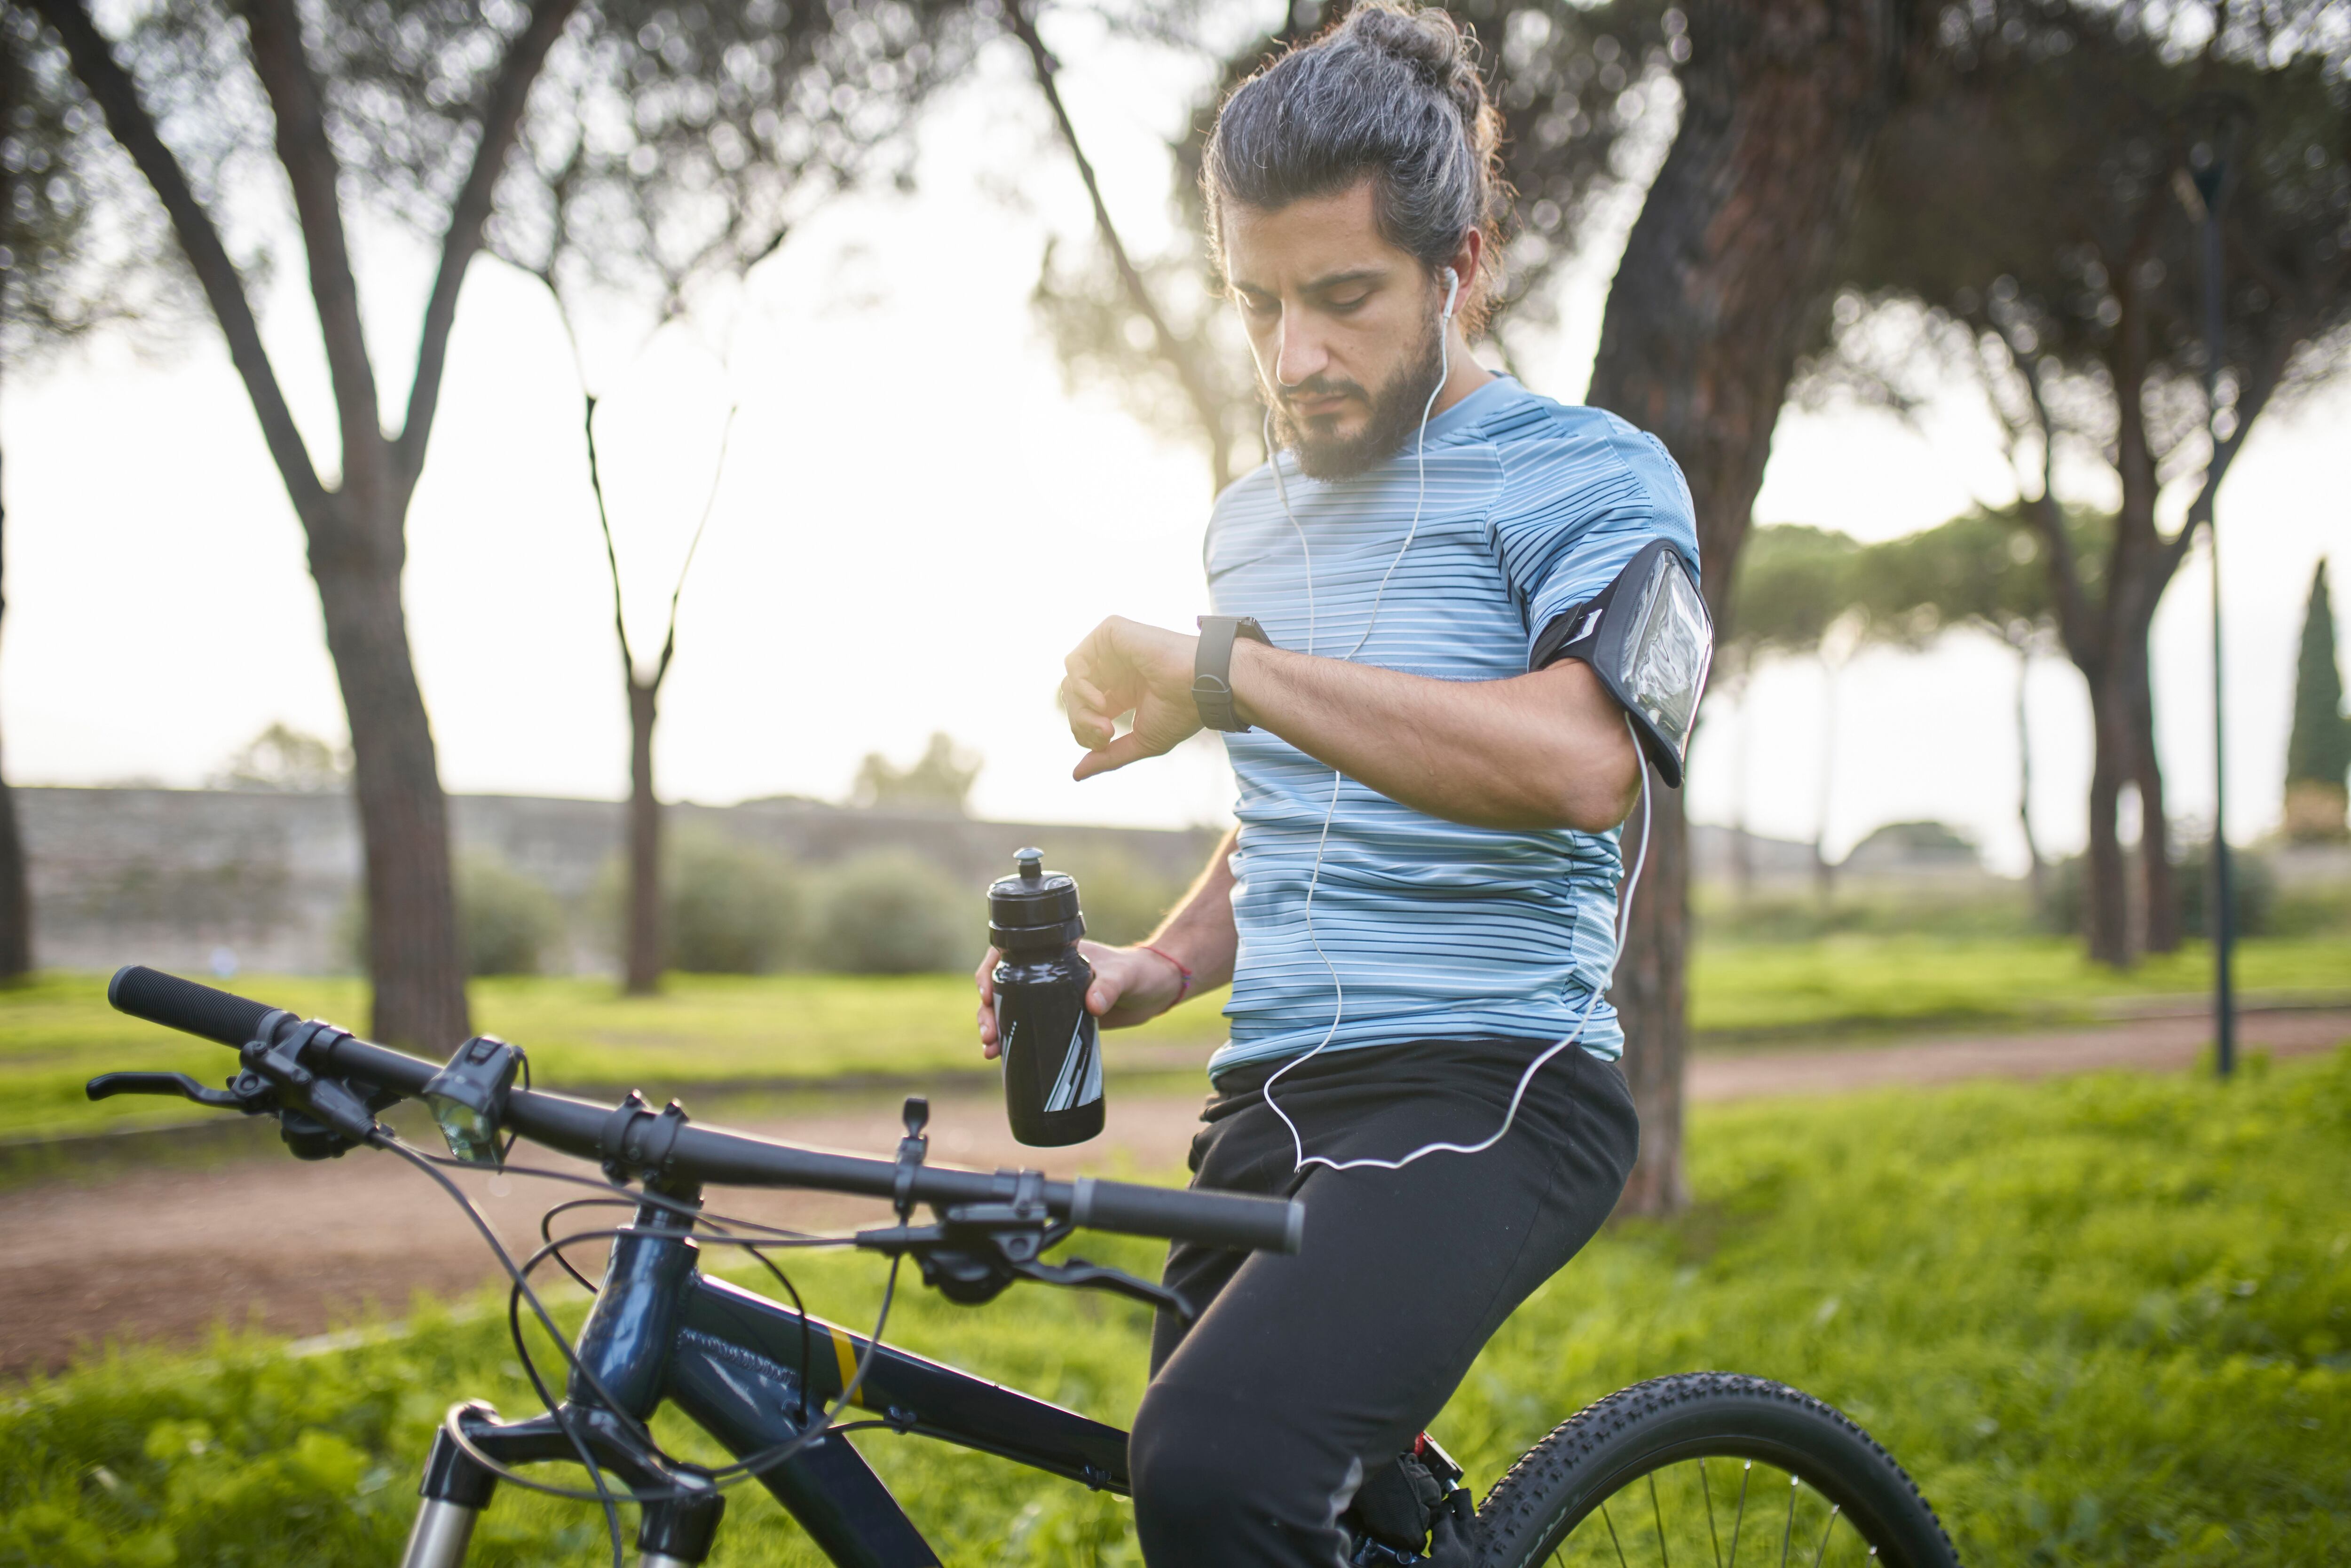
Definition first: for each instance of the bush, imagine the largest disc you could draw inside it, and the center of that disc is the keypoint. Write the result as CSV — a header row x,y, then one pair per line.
x,y
2253,892
890,913
727,907
1123,898
506,919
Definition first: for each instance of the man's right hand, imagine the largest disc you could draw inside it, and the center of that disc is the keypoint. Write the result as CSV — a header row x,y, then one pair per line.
x,y
1131,985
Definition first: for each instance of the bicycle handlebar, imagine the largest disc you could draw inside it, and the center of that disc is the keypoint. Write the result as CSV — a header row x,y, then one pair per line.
x,y
708,1154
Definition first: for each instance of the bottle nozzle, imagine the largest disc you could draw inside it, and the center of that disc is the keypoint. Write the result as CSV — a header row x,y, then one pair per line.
x,y
1030,864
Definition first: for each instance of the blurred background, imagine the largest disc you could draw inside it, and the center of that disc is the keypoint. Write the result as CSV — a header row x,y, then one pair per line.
x,y
563,517
852,319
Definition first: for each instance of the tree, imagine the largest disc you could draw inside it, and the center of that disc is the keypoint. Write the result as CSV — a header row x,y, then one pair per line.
x,y
1796,594
281,759
74,257
2319,748
1981,571
606,136
63,274
672,268
641,965
2059,262
939,780
1725,281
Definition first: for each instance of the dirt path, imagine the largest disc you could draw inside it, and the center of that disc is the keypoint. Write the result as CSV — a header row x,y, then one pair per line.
x,y
163,1254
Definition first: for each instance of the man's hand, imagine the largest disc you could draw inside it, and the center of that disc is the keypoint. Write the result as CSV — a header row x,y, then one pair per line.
x,y
1122,667
1131,985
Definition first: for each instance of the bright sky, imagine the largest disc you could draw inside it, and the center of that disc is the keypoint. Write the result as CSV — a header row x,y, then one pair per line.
x,y
917,520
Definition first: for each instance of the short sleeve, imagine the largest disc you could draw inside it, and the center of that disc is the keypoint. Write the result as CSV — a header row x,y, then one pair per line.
x,y
1576,505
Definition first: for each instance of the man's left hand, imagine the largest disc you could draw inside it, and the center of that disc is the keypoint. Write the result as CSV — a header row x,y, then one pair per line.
x,y
1124,666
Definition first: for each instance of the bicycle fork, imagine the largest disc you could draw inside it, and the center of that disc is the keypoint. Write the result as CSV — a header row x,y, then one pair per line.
x,y
622,1352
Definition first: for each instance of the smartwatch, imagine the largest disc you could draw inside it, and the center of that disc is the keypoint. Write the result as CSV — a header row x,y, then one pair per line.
x,y
1212,668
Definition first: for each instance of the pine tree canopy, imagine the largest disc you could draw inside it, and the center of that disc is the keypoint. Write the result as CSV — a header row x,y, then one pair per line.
x,y
2318,749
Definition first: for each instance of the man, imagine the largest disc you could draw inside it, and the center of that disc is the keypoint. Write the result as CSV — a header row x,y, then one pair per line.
x,y
1419,899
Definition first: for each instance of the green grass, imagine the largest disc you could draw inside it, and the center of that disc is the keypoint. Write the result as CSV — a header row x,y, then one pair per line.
x,y
2103,1320
707,1031
1856,983
702,1030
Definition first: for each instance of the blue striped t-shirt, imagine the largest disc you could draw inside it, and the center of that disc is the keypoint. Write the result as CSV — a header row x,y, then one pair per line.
x,y
1437,930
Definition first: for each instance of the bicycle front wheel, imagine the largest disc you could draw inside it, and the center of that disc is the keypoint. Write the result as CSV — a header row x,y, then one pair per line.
x,y
1708,1467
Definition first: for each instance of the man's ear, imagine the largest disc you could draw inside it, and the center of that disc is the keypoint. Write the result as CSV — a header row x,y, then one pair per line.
x,y
1464,260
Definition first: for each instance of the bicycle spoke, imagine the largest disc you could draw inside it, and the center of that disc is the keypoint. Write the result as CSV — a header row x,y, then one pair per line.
x,y
1788,1532
1654,1512
1705,1490
1611,1536
1745,1475
1834,1508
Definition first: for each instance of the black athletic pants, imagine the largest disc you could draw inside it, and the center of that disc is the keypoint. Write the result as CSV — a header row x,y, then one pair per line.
x,y
1301,1373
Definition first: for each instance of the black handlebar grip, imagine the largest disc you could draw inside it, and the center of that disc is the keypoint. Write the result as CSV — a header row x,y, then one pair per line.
x,y
175,1003
1211,1219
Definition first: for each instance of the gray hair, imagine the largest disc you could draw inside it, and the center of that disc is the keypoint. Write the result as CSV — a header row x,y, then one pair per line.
x,y
1391,93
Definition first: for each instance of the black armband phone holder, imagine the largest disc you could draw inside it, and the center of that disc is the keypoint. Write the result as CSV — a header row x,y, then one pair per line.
x,y
1649,638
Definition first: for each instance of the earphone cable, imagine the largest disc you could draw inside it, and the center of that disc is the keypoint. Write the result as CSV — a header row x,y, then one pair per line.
x,y
1338,783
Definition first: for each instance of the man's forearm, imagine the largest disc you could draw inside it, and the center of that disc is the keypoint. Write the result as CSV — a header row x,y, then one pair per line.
x,y
1199,933
1540,750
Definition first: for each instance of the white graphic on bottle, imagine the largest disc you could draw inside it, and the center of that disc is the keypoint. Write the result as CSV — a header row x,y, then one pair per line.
x,y
1080,1081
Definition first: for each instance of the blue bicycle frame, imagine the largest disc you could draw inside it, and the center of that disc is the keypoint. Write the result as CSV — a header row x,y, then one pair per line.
x,y
662,1331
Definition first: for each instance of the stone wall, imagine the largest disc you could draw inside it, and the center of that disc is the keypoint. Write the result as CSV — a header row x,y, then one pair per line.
x,y
176,877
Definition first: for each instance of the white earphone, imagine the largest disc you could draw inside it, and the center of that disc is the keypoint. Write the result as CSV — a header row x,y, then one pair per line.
x,y
1322,842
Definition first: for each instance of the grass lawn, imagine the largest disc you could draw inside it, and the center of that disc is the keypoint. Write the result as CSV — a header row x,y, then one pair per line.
x,y
711,1029
2103,1320
1862,984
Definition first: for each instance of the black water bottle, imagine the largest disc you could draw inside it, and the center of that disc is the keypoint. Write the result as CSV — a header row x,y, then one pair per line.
x,y
1052,1059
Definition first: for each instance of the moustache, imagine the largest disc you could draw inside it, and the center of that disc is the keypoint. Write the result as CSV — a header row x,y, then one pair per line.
x,y
1318,386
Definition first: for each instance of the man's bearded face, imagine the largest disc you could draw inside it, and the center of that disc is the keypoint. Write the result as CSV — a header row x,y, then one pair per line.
x,y
1338,428
1342,324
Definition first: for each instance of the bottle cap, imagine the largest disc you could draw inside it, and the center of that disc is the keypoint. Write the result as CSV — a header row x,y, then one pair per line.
x,y
1035,908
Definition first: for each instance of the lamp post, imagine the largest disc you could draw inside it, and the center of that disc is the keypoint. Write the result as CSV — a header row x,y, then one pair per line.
x,y
2208,169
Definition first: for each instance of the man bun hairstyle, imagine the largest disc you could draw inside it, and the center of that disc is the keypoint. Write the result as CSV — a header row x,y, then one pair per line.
x,y
1390,92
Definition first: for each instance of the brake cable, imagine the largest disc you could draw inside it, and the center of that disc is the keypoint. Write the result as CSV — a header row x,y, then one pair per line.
x,y
741,1470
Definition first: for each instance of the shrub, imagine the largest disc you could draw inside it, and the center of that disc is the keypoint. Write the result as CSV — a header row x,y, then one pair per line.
x,y
1122,897
2253,892
506,920
727,907
889,913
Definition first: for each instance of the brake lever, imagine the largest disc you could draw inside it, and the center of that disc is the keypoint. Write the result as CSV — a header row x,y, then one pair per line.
x,y
107,1085
1082,1275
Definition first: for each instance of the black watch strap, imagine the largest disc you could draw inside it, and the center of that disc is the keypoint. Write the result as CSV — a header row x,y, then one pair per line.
x,y
1212,668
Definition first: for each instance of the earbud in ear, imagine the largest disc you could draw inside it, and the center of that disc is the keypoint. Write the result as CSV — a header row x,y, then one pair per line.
x,y
1452,291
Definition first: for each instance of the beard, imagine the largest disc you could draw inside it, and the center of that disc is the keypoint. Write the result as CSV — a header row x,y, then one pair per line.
x,y
1395,408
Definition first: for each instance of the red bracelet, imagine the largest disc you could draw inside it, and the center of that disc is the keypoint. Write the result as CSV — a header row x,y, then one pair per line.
x,y
1186,989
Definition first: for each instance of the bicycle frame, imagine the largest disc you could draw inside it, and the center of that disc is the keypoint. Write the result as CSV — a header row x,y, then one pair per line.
x,y
661,1331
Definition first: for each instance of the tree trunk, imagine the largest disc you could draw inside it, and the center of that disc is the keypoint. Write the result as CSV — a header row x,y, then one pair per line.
x,y
414,951
16,895
2106,922
2036,870
1651,994
1720,285
2158,883
642,965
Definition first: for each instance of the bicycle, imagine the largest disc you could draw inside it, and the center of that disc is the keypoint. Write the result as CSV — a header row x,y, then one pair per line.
x,y
772,1384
